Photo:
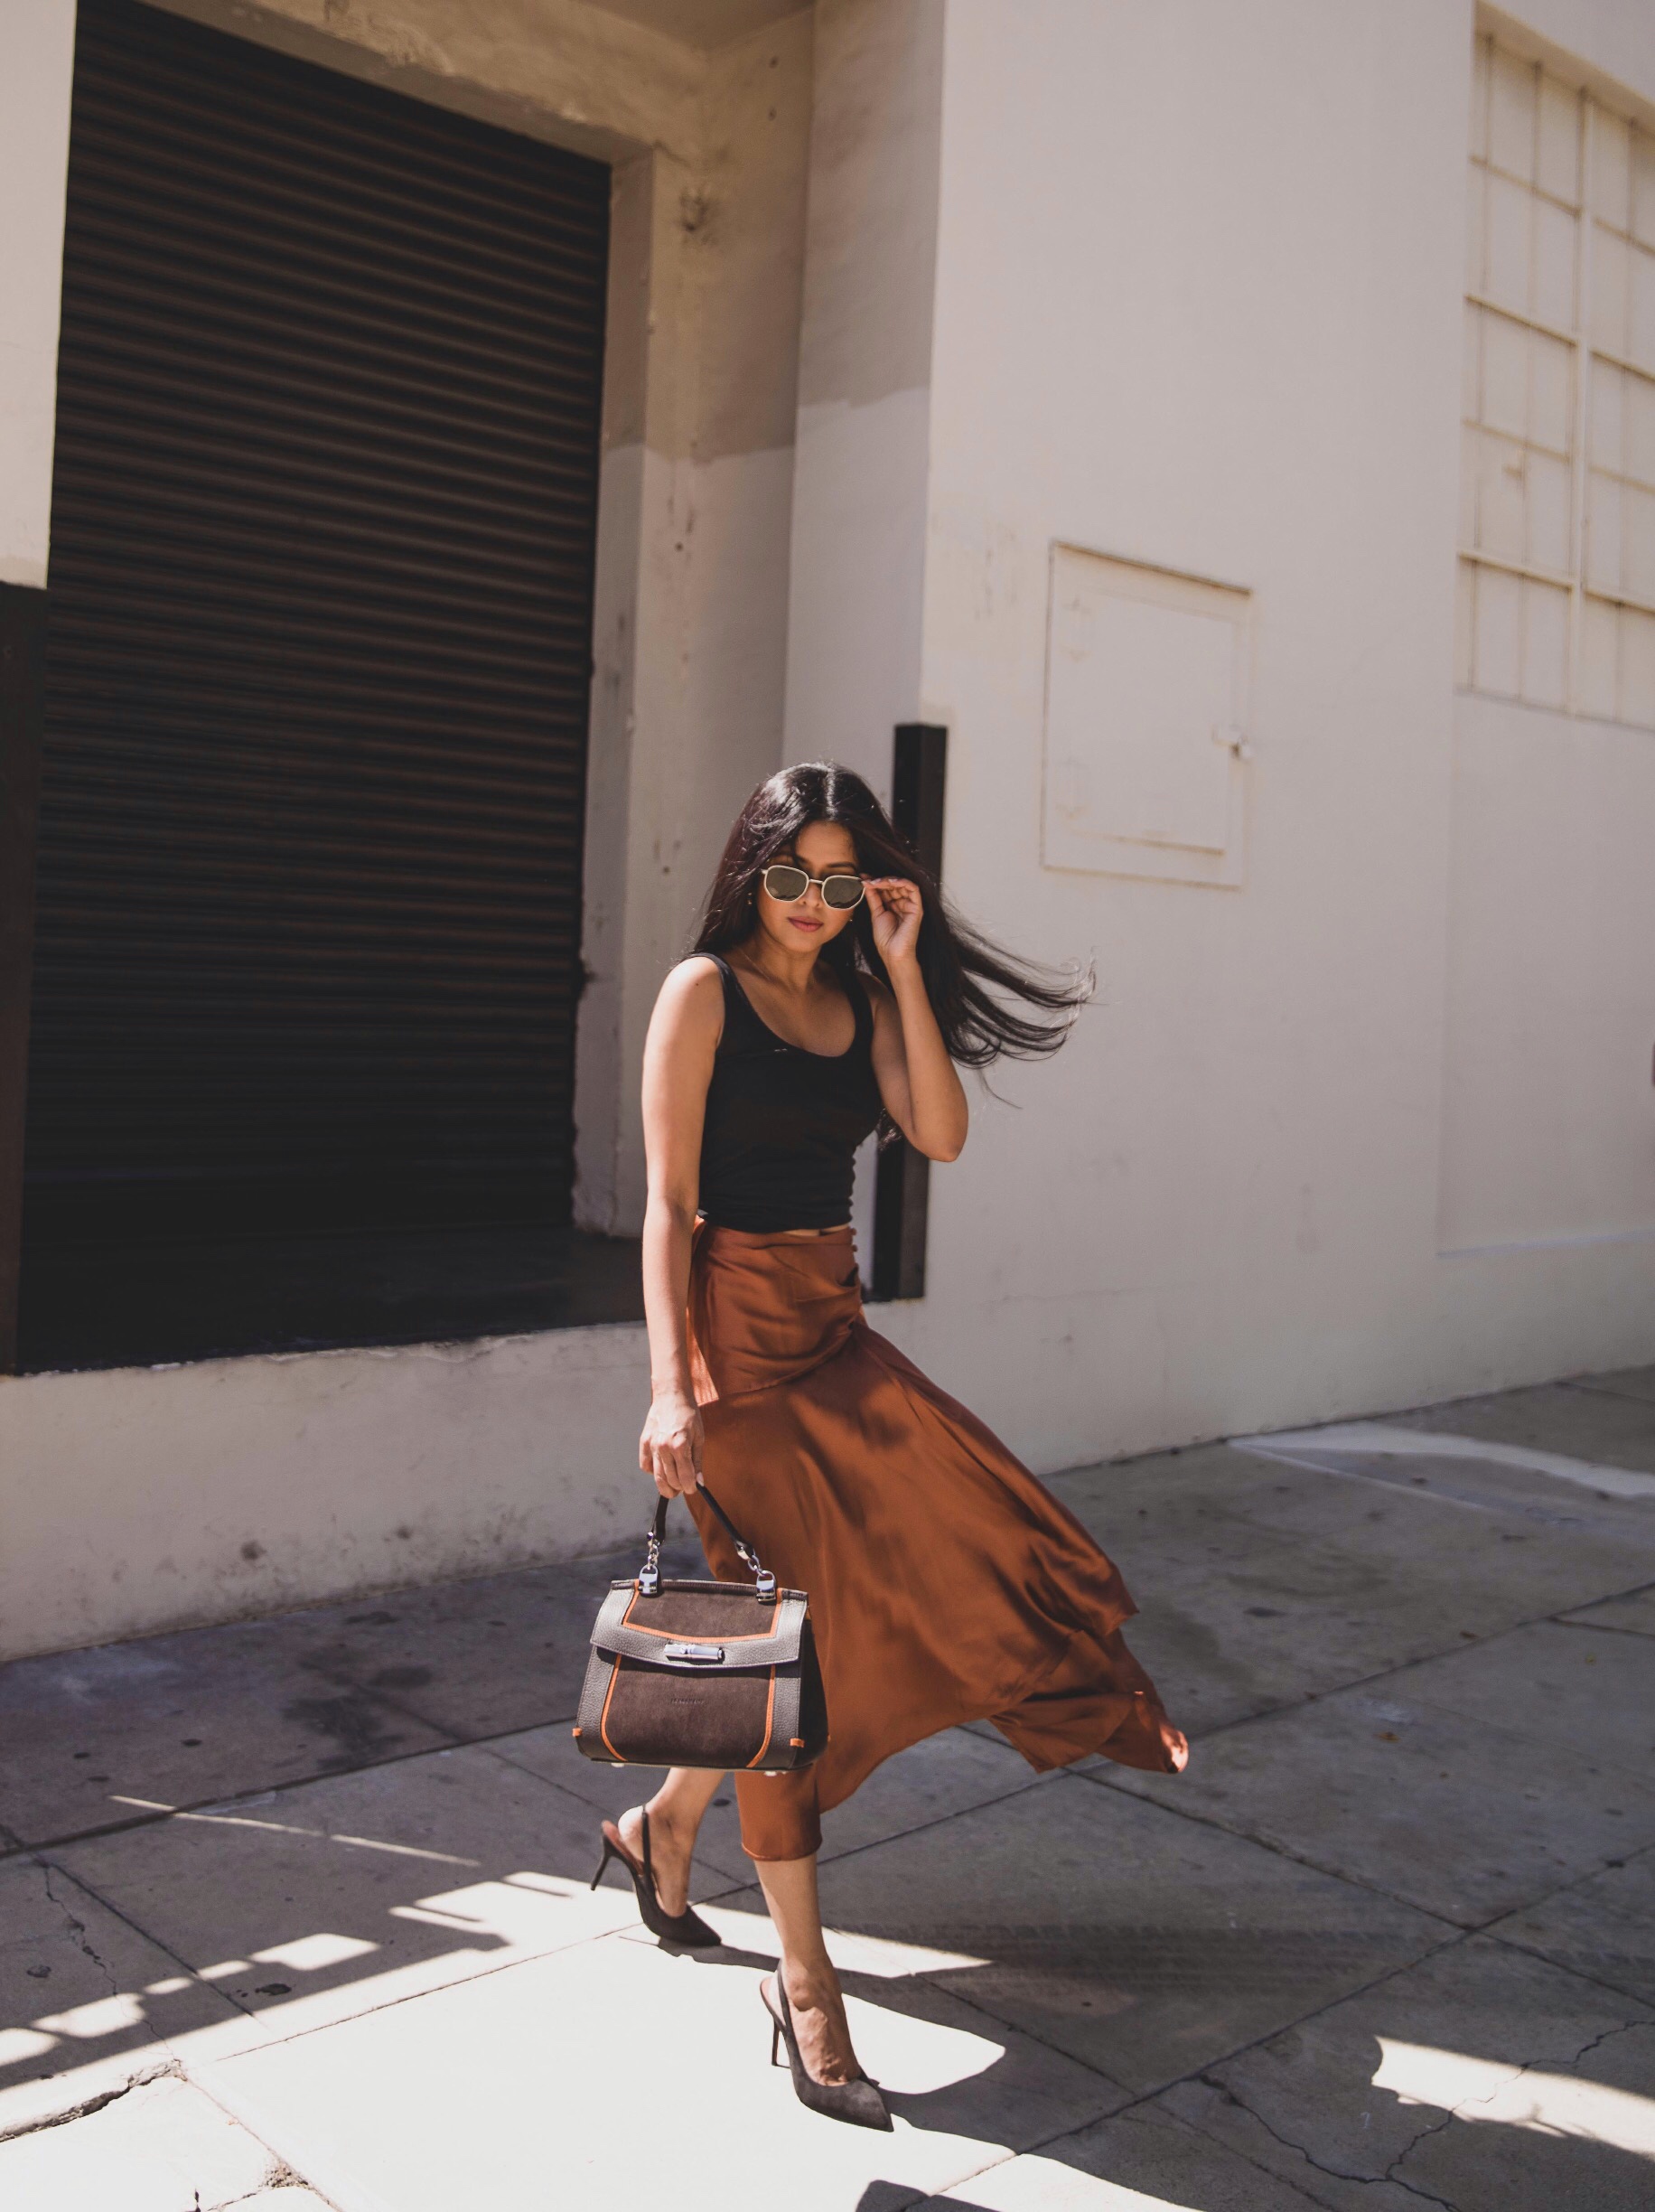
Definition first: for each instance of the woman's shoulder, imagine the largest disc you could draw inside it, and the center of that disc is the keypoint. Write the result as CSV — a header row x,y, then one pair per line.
x,y
700,968
693,992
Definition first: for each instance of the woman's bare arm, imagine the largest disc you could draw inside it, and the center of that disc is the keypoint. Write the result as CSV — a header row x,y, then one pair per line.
x,y
918,1083
678,1066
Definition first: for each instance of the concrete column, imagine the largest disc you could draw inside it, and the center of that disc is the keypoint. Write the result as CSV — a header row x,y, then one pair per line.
x,y
638,626
862,466
690,624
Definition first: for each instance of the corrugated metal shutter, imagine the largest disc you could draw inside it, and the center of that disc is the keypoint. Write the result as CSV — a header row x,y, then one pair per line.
x,y
309,894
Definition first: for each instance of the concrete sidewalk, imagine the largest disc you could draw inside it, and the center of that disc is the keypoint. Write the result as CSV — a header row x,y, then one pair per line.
x,y
295,1913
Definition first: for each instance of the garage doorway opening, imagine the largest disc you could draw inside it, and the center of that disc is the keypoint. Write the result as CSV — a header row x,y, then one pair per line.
x,y
307,930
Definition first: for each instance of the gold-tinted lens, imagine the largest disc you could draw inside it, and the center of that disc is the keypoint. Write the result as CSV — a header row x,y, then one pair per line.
x,y
786,884
842,890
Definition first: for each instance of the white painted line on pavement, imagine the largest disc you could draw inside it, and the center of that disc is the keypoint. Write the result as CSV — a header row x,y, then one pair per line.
x,y
1438,1443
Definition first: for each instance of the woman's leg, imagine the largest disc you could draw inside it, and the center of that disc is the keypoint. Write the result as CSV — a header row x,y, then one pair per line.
x,y
675,1815
813,1994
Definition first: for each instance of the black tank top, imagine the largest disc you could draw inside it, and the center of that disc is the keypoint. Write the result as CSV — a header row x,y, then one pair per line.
x,y
782,1124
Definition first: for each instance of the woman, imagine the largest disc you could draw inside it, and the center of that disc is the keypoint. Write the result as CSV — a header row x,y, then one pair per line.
x,y
829,986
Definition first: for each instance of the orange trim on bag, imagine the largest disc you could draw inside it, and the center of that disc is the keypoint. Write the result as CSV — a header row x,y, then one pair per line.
x,y
761,1636
603,1716
770,1721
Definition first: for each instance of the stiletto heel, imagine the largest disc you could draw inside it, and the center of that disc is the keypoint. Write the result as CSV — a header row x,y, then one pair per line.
x,y
687,1929
775,2039
858,2102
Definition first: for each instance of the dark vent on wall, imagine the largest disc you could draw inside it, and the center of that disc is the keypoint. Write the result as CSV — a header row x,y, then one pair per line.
x,y
307,935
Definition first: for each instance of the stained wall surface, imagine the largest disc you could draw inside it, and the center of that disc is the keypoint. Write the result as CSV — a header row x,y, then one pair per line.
x,y
1377,1125
905,294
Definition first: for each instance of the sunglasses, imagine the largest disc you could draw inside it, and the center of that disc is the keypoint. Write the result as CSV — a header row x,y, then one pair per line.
x,y
787,886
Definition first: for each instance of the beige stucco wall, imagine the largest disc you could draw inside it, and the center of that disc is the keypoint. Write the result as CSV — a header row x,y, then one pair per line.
x,y
1550,1047
1548,1104
1603,43
864,442
1198,276
1209,1213
1182,285
136,1500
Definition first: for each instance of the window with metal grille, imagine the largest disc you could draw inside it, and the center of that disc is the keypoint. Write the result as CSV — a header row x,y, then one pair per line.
x,y
1557,591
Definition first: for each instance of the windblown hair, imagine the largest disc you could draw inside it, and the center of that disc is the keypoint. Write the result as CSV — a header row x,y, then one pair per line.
x,y
957,962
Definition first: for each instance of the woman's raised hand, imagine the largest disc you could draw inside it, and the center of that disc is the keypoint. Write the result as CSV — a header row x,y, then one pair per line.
x,y
669,1449
896,910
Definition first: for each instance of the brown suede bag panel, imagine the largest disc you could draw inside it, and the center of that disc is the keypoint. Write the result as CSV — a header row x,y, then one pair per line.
x,y
660,1718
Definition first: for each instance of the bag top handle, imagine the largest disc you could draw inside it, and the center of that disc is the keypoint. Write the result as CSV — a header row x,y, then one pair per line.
x,y
649,1580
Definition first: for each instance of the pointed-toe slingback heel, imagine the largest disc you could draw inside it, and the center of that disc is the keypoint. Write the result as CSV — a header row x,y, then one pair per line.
x,y
858,2101
687,1929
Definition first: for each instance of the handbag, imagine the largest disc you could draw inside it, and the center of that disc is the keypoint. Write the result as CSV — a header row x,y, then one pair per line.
x,y
703,1674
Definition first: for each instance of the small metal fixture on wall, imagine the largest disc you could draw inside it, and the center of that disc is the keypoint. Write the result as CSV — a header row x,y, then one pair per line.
x,y
901,1189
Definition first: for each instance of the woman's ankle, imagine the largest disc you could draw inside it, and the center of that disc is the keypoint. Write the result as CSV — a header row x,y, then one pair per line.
x,y
816,2007
667,1833
811,1985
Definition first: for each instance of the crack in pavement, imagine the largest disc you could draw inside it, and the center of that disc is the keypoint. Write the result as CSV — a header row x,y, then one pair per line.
x,y
1425,2135
165,2064
77,1927
277,2174
164,2070
1138,2106
117,1912
1465,2110
1334,2173
1621,2028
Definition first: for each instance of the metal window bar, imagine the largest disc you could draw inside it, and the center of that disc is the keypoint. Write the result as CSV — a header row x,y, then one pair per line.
x,y
1582,470
1580,466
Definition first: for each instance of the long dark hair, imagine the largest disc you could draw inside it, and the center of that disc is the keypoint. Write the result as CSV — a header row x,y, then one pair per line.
x,y
956,961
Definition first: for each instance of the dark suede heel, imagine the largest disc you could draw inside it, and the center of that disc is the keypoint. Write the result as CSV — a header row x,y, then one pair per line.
x,y
858,2101
687,1929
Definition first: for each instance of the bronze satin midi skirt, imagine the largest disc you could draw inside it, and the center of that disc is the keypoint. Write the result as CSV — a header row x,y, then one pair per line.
x,y
946,1583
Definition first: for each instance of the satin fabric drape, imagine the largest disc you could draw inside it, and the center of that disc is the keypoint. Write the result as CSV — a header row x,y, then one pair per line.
x,y
946,1583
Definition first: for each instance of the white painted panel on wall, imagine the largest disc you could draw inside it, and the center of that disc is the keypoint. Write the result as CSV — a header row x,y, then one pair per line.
x,y
1145,678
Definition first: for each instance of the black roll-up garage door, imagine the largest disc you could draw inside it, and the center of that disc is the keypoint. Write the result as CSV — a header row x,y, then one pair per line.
x,y
319,614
